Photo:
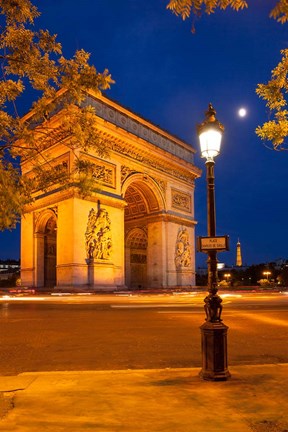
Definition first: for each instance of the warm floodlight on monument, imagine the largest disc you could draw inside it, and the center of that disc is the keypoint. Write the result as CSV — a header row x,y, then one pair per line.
x,y
213,331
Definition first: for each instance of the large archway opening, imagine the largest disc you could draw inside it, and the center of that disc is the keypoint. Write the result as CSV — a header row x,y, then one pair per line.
x,y
50,253
142,200
46,249
136,258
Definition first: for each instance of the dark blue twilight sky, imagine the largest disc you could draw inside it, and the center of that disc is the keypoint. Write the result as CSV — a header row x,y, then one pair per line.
x,y
168,75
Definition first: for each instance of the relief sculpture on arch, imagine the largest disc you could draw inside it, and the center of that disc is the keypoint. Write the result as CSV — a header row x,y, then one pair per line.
x,y
98,235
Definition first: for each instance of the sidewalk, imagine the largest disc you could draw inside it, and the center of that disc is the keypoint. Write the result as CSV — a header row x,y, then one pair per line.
x,y
177,400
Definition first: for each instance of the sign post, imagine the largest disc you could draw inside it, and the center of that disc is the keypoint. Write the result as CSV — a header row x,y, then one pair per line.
x,y
219,243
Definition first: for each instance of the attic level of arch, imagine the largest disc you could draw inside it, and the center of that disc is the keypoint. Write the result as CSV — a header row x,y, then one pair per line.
x,y
157,160
128,135
122,118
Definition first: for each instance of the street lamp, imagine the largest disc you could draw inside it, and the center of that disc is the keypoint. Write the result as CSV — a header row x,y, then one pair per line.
x,y
213,331
267,274
227,276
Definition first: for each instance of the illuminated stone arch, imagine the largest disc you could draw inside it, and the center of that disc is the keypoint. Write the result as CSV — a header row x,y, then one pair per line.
x,y
46,248
149,172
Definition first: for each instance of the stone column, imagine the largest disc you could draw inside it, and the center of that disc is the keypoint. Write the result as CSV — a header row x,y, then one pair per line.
x,y
27,251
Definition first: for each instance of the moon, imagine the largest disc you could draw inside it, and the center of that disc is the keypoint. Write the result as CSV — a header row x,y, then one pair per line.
x,y
242,112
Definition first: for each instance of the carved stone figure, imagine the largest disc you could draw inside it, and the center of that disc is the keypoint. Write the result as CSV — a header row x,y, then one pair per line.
x,y
182,249
98,235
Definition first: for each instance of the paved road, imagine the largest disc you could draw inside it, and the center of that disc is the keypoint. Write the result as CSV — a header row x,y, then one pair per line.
x,y
108,332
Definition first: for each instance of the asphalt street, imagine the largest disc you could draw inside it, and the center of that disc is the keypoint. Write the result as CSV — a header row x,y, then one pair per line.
x,y
62,333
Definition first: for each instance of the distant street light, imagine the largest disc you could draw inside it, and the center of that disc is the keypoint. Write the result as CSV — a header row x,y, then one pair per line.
x,y
213,331
227,276
267,274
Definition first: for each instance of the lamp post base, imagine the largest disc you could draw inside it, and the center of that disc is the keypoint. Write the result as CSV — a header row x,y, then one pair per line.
x,y
214,351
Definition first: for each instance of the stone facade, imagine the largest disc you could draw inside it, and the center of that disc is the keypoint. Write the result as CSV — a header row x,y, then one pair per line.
x,y
135,231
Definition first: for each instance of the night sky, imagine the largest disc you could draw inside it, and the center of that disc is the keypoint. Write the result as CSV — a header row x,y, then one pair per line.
x,y
169,75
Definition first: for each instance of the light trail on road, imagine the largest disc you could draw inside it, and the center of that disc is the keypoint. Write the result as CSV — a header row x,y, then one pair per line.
x,y
99,332
149,306
264,319
180,312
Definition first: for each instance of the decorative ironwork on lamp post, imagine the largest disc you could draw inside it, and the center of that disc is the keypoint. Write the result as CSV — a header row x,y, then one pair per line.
x,y
213,331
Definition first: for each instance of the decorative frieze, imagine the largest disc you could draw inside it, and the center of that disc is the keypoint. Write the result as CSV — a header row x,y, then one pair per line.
x,y
59,166
104,174
102,171
181,200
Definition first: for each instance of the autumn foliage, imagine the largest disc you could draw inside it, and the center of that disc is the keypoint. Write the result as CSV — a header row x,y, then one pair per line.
x,y
31,59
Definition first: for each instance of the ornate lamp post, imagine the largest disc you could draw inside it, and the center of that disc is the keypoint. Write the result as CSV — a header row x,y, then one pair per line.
x,y
213,331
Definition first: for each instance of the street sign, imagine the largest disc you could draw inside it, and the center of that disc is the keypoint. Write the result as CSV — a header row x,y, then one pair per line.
x,y
219,243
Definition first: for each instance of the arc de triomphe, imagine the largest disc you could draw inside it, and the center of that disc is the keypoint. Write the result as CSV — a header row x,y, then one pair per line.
x,y
135,231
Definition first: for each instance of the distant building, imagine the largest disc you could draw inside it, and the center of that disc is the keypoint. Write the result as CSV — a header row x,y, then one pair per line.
x,y
9,266
8,269
238,255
